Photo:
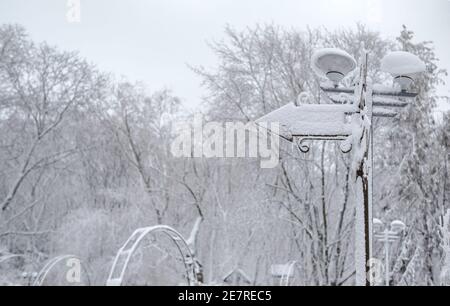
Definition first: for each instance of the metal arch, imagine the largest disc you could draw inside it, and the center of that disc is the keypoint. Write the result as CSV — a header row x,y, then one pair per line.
x,y
119,266
12,256
42,275
284,281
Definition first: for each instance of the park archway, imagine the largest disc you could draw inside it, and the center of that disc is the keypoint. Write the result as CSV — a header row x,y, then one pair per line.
x,y
70,262
180,252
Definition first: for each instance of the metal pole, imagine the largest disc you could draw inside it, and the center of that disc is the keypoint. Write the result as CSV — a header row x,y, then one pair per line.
x,y
369,204
364,181
386,256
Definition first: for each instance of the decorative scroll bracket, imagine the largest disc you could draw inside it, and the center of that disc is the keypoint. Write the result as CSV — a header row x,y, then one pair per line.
x,y
346,144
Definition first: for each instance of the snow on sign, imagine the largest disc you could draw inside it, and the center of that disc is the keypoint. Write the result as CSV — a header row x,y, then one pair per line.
x,y
308,120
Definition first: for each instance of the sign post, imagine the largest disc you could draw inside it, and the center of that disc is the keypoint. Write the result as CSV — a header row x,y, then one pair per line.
x,y
301,123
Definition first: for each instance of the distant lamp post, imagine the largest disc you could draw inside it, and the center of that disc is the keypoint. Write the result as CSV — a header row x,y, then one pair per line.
x,y
29,277
307,122
444,226
388,236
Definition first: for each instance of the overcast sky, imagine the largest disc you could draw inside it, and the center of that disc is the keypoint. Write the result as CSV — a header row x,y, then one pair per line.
x,y
153,40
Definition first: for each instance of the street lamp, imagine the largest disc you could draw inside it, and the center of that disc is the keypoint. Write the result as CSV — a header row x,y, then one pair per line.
x,y
333,64
404,67
299,123
444,226
388,236
29,277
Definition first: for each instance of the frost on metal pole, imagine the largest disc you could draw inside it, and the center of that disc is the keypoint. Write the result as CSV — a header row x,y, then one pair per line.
x,y
362,165
300,123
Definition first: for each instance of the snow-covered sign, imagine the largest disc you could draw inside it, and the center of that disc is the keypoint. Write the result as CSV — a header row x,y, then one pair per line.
x,y
308,120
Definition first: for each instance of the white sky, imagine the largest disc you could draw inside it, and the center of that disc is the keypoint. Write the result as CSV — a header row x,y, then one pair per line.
x,y
153,40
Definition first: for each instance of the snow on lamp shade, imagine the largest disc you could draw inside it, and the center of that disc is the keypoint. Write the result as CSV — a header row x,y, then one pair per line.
x,y
333,64
403,66
398,226
378,224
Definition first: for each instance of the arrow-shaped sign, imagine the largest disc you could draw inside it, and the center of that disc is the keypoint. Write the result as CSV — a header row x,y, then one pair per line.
x,y
312,122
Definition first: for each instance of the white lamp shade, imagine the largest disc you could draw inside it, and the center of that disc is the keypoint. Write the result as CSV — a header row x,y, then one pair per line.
x,y
378,224
333,64
398,226
403,66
